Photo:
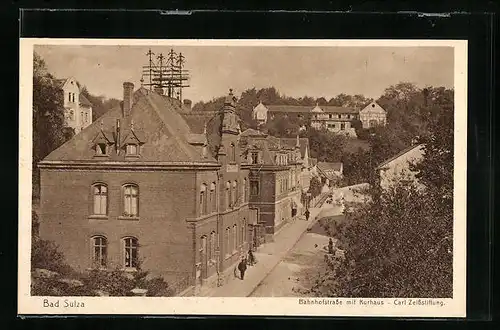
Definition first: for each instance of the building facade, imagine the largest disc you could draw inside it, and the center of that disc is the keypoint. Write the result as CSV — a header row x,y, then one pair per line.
x,y
373,115
397,168
335,119
153,185
78,109
140,189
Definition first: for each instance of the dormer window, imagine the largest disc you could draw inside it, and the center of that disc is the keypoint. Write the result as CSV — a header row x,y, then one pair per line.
x,y
101,149
132,149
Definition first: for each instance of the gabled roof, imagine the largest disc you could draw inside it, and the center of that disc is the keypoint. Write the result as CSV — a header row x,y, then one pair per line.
x,y
84,101
165,134
373,105
334,109
401,153
289,108
309,109
325,166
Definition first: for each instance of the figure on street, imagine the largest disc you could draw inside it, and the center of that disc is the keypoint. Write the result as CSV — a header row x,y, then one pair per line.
x,y
307,213
242,267
251,258
330,246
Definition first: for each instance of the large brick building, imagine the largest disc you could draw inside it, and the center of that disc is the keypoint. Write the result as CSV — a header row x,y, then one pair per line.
x,y
152,184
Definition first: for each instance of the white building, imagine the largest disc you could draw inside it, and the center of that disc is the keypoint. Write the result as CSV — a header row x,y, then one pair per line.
x,y
78,109
373,115
259,113
397,168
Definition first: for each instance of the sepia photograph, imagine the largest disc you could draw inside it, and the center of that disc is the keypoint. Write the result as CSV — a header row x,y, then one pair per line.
x,y
326,176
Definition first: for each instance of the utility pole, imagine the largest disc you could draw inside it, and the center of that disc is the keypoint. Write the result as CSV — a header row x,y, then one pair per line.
x,y
150,54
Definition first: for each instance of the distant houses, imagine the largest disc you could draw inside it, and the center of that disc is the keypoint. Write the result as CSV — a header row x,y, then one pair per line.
x,y
336,119
397,168
77,108
331,172
373,115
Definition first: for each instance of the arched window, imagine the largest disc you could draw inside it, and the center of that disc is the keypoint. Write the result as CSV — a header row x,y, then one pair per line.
x,y
235,237
213,197
211,244
130,200
99,251
130,252
228,241
245,194
203,199
235,193
228,195
203,248
242,231
100,192
232,155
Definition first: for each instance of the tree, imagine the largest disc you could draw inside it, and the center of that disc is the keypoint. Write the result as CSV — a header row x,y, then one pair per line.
x,y
326,146
400,243
393,248
48,117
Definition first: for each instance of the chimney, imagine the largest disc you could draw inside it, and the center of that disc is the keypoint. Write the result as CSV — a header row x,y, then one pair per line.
x,y
187,104
118,136
128,91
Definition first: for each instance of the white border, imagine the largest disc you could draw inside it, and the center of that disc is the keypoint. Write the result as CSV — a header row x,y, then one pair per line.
x,y
455,307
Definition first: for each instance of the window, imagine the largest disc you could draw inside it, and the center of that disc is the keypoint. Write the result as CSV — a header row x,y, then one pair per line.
x,y
228,195
234,194
348,116
69,97
203,199
130,247
81,115
242,231
213,198
340,116
203,248
255,157
330,116
72,97
228,240
254,187
99,251
213,244
101,149
232,155
130,200
235,237
342,126
86,117
245,194
100,192
131,149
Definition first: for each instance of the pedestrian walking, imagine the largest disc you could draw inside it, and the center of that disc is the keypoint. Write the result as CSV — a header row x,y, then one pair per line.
x,y
330,246
307,213
251,258
242,267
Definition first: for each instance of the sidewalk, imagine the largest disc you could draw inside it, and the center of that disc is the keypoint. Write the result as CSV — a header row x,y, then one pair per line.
x,y
268,256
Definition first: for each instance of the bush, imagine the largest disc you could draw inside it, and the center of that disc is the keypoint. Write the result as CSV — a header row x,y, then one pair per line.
x,y
46,255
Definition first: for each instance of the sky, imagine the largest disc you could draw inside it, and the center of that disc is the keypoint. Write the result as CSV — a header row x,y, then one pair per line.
x,y
294,71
